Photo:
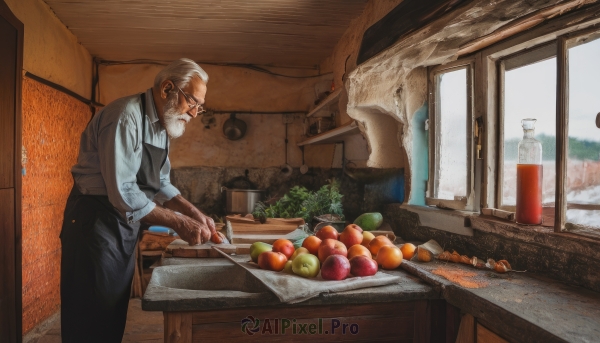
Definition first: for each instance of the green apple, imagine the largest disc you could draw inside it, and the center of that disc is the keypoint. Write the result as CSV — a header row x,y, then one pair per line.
x,y
306,265
288,267
257,248
299,251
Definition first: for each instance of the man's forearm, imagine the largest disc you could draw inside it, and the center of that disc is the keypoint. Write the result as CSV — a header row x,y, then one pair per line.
x,y
163,217
189,229
181,205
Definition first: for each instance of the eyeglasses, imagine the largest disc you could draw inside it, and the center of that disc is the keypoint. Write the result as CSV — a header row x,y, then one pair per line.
x,y
191,102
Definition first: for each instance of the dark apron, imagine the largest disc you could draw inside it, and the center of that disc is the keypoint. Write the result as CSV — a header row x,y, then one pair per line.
x,y
98,258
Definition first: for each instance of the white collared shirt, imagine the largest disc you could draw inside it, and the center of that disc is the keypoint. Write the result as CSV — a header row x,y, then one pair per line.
x,y
110,154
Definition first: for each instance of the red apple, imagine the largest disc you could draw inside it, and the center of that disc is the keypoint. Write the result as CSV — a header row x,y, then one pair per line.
x,y
271,260
351,236
284,246
354,226
335,267
363,266
331,247
327,232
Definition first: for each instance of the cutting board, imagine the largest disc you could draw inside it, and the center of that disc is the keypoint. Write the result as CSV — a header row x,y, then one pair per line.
x,y
271,226
180,248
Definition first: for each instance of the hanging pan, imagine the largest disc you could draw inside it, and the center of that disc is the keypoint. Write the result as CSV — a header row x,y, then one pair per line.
x,y
234,128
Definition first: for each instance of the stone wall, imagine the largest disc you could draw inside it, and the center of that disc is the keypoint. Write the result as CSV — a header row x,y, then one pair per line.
x,y
202,186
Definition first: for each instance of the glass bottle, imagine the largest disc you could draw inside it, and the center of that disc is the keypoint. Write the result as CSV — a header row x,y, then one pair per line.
x,y
529,177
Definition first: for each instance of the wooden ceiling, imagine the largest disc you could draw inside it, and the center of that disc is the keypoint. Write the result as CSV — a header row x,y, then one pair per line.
x,y
298,33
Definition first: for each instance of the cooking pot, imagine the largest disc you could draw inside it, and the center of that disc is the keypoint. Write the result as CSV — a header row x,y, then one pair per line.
x,y
233,128
242,201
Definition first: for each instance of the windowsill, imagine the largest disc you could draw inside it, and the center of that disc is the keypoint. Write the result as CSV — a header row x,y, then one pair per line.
x,y
582,241
453,221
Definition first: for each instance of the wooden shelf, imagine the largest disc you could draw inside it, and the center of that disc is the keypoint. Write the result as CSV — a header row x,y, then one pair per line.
x,y
329,100
336,135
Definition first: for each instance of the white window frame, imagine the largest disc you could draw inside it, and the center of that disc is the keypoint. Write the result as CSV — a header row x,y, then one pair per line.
x,y
468,203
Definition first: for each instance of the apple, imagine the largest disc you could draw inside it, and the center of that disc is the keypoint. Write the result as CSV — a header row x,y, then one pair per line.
x,y
299,251
331,247
270,260
284,246
327,232
351,236
363,266
367,238
258,248
306,265
335,267
288,267
354,226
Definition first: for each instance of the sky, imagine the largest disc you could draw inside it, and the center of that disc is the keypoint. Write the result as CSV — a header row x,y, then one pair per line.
x,y
530,92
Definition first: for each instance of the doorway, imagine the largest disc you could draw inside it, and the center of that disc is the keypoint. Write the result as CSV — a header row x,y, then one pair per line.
x,y
11,65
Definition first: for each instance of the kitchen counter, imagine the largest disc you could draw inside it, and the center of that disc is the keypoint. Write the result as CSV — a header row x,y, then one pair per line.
x,y
521,307
159,297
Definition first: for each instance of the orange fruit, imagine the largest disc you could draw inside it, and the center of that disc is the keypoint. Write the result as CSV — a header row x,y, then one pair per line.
x,y
408,250
377,243
312,243
389,257
357,250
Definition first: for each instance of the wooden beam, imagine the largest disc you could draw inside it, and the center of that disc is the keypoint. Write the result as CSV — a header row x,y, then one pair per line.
x,y
519,25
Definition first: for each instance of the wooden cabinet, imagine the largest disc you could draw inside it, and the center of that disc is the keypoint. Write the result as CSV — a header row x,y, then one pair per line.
x,y
393,322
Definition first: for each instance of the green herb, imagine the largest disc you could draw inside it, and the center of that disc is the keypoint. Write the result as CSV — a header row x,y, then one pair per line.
x,y
301,203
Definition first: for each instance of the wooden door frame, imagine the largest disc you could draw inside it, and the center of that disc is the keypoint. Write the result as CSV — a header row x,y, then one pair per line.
x,y
7,14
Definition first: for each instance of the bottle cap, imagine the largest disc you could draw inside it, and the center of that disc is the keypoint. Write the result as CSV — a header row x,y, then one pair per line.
x,y
528,124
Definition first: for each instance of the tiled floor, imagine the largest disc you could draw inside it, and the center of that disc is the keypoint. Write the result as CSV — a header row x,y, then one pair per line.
x,y
142,326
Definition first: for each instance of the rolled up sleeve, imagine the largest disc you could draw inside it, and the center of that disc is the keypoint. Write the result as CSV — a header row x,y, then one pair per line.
x,y
167,190
120,153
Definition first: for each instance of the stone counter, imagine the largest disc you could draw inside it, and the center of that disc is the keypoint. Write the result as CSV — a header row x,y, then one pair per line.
x,y
159,298
521,307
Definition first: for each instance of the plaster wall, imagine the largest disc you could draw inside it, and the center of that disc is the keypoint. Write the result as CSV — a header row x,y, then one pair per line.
x,y
379,128
232,89
50,50
393,84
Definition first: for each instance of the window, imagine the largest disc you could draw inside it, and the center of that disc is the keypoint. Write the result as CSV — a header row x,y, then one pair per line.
x,y
583,158
480,101
556,83
528,87
450,125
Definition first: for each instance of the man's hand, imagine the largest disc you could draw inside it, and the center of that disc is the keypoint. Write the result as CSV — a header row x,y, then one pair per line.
x,y
189,229
179,204
192,231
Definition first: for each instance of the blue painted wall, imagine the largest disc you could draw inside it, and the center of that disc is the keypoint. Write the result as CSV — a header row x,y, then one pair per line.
x,y
420,157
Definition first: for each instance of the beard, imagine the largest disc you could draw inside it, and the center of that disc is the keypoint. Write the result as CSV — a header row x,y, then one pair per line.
x,y
174,121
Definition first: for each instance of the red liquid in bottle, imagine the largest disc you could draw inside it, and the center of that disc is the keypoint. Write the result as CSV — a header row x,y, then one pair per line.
x,y
529,194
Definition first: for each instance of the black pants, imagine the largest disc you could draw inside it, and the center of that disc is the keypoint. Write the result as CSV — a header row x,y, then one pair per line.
x,y
97,267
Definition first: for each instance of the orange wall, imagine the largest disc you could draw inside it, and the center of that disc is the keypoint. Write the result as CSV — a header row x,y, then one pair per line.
x,y
52,125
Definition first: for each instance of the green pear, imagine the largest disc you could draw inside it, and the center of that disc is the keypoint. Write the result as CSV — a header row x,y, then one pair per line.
x,y
257,248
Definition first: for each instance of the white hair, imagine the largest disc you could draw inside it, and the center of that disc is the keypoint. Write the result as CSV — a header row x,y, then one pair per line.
x,y
180,71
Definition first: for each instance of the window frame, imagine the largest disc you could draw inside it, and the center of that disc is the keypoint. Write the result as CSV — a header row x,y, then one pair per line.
x,y
528,57
488,81
468,203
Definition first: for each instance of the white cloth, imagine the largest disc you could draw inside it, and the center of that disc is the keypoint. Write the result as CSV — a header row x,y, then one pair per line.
x,y
292,289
